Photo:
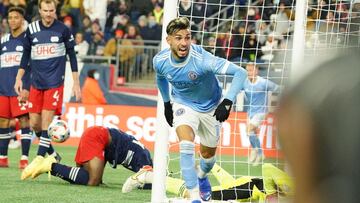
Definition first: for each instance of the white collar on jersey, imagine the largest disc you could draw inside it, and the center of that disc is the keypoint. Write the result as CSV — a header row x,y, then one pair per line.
x,y
182,64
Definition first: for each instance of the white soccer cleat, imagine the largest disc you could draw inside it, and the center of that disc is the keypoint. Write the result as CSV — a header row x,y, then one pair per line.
x,y
135,181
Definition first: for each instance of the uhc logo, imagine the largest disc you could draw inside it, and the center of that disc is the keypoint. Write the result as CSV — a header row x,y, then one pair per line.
x,y
47,50
10,59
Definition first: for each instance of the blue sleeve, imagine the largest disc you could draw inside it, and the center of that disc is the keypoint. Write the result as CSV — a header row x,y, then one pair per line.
x,y
162,83
26,79
238,81
73,60
222,66
69,45
273,87
68,39
27,50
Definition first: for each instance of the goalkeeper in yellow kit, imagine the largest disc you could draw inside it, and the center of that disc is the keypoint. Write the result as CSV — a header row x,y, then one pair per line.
x,y
274,183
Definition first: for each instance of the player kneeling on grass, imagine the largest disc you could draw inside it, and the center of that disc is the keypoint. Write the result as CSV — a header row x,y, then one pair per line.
x,y
98,145
275,183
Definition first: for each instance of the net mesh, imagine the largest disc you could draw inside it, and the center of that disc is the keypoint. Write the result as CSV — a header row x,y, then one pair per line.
x,y
261,31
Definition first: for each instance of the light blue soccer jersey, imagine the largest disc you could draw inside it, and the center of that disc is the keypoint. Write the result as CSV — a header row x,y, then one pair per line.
x,y
256,95
193,81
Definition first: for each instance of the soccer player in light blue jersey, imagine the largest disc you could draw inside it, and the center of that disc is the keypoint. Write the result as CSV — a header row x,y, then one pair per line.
x,y
196,107
256,99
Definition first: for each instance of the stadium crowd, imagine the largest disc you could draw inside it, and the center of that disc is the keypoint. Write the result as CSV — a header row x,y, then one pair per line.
x,y
259,30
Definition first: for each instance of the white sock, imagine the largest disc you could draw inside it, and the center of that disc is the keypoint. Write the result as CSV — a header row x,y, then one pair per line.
x,y
24,157
194,193
146,177
3,156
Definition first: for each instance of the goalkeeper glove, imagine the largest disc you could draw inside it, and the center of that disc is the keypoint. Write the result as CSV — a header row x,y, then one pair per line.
x,y
222,112
169,113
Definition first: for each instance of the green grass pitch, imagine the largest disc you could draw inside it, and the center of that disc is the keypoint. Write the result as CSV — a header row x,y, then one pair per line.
x,y
41,189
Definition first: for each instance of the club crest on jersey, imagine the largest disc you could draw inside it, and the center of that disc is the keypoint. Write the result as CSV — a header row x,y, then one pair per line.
x,y
168,76
19,48
54,39
192,75
180,112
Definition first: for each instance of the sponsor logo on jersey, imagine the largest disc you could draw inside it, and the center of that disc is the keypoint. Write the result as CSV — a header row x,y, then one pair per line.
x,y
10,59
192,75
180,112
47,51
54,39
19,48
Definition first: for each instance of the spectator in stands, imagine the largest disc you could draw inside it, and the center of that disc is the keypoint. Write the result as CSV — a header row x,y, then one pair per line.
x,y
81,47
86,24
237,43
158,12
269,48
4,6
111,44
96,10
74,9
120,22
211,44
96,47
221,44
261,30
283,24
4,26
69,23
264,9
140,7
251,48
133,35
112,11
91,91
31,9
151,30
95,28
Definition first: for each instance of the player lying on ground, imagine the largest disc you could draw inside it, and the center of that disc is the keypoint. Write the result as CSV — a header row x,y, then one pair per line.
x,y
12,106
274,183
98,145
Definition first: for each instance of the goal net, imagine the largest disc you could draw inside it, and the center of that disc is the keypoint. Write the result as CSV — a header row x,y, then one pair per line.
x,y
263,32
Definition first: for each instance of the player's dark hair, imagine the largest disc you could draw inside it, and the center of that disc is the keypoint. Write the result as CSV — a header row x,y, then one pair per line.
x,y
55,2
17,9
177,24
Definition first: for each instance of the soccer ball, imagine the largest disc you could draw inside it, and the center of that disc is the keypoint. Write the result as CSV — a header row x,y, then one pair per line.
x,y
58,131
